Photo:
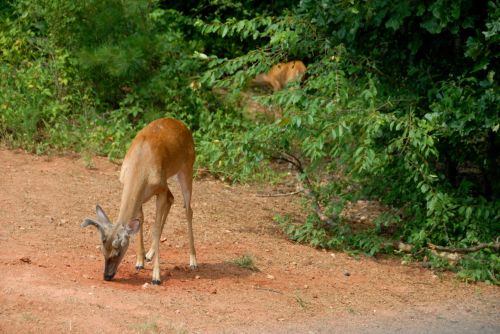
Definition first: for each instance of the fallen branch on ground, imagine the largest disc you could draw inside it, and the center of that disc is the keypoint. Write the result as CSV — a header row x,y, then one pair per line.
x,y
280,194
493,245
408,248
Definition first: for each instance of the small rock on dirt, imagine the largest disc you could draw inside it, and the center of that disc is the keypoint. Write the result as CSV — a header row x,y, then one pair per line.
x,y
25,259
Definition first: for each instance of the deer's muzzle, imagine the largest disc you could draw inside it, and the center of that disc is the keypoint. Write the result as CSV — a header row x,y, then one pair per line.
x,y
108,277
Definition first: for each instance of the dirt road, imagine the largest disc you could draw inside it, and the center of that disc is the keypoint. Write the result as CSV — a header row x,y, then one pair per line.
x,y
51,269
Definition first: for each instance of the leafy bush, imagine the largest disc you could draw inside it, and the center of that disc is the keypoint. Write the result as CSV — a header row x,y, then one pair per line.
x,y
481,266
398,107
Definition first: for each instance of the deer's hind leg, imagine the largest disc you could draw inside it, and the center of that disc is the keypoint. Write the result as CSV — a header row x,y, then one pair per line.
x,y
185,178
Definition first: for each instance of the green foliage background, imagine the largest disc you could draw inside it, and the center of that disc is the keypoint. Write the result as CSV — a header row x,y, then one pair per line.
x,y
401,102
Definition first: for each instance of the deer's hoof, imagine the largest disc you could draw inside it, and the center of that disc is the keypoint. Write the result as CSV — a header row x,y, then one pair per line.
x,y
156,282
149,255
193,267
139,267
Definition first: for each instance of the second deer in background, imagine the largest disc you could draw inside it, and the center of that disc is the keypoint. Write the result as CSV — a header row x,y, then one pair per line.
x,y
280,75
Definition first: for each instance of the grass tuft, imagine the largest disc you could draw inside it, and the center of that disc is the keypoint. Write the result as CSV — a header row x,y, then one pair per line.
x,y
245,262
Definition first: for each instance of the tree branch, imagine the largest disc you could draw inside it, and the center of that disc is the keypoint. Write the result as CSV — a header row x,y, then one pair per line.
x,y
493,245
306,184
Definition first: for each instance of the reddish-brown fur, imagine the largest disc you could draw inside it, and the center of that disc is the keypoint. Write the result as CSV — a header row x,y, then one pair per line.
x,y
280,75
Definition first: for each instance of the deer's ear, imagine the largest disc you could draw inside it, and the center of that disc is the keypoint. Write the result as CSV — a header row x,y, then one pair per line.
x,y
101,215
133,226
97,225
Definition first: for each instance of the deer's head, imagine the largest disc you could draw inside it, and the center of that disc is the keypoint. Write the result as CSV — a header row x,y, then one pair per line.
x,y
115,240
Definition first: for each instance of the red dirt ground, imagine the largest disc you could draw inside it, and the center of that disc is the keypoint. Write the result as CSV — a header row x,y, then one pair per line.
x,y
51,269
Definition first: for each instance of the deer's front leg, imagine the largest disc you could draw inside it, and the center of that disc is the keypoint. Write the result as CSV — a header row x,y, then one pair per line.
x,y
150,254
139,246
163,203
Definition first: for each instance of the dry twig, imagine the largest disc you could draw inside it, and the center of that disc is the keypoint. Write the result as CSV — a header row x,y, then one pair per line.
x,y
280,194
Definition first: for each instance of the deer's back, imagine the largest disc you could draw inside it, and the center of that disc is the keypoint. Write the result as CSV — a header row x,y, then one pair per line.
x,y
284,73
159,151
280,75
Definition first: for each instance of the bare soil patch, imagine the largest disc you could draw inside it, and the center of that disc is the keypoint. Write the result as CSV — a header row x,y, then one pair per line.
x,y
51,268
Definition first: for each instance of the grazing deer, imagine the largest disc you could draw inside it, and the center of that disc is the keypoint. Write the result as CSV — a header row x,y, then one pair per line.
x,y
163,149
280,75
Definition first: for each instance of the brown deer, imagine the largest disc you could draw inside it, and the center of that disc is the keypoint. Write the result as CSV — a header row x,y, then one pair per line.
x,y
280,75
163,149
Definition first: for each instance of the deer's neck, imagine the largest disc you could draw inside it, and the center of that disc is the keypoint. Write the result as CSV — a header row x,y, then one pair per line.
x,y
131,202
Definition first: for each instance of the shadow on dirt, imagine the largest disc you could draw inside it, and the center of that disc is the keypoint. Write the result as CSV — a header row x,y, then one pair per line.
x,y
205,271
